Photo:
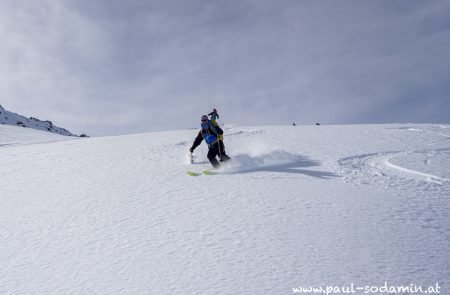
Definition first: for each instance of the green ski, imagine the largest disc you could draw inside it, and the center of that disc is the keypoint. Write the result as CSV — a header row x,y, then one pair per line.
x,y
207,172
190,173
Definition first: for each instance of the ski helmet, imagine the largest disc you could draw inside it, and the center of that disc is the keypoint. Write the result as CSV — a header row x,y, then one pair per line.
x,y
204,118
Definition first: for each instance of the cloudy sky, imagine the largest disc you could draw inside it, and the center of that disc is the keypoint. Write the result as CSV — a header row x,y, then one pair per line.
x,y
107,67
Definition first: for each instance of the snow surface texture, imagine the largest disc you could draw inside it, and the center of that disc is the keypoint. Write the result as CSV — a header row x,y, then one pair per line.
x,y
9,118
297,206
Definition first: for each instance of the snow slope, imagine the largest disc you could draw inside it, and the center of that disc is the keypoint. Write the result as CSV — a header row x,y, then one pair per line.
x,y
9,118
298,206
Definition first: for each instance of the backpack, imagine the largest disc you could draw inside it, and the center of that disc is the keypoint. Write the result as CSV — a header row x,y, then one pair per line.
x,y
210,137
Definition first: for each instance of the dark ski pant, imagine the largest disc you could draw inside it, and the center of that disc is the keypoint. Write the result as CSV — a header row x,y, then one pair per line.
x,y
217,149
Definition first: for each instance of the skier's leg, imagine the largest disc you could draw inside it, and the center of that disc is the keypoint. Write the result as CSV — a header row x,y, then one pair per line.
x,y
212,153
223,156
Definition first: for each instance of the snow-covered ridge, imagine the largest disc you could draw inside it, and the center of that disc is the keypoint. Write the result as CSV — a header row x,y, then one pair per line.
x,y
10,118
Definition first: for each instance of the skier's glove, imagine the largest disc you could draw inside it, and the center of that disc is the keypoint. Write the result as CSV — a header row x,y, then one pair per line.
x,y
191,150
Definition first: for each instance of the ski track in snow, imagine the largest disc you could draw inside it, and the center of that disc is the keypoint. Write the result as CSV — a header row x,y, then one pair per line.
x,y
399,172
296,206
377,168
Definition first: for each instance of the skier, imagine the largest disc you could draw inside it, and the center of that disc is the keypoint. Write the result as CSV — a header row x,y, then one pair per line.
x,y
214,116
213,136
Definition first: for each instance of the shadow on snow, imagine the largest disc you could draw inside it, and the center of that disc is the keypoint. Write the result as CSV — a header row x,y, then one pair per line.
x,y
277,161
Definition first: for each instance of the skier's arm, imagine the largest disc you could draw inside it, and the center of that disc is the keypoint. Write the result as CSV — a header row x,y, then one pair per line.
x,y
198,140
